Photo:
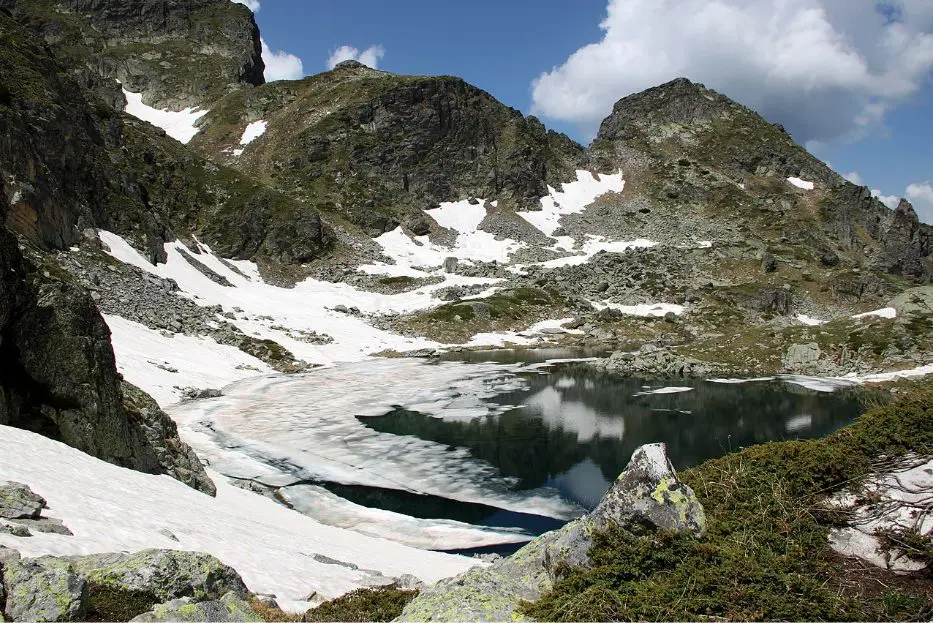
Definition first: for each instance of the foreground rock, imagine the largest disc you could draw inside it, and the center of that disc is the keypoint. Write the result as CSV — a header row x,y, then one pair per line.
x,y
648,493
120,586
230,607
44,589
17,501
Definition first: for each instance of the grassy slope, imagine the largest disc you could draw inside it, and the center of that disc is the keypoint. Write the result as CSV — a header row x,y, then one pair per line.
x,y
765,555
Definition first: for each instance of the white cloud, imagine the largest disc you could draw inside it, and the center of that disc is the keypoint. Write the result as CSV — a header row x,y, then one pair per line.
x,y
281,65
253,5
369,57
855,178
920,195
826,69
889,200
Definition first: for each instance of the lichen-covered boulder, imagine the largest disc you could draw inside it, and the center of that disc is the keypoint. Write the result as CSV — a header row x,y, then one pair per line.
x,y
166,574
17,501
44,589
647,494
230,607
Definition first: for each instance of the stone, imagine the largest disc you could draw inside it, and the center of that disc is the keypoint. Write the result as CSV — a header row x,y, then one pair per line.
x,y
419,227
829,258
17,501
230,607
48,525
768,263
15,530
167,574
801,357
7,554
647,494
44,589
450,265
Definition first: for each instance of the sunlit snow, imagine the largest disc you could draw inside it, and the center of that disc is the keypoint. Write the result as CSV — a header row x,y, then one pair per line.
x,y
271,546
253,131
885,312
799,183
179,125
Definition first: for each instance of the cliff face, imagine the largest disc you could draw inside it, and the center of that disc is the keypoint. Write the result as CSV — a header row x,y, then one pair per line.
x,y
179,53
377,148
59,378
71,162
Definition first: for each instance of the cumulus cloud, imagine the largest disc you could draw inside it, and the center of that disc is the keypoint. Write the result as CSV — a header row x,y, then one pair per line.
x,y
281,65
920,194
253,5
855,178
889,200
369,57
826,69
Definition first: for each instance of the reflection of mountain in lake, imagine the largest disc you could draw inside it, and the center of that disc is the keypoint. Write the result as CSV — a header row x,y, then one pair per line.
x,y
576,430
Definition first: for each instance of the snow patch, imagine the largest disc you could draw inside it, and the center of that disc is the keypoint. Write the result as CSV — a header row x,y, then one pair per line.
x,y
253,131
799,183
643,309
810,321
271,546
884,312
179,125
664,390
573,197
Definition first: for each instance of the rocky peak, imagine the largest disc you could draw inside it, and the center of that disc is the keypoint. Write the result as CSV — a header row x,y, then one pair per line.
x,y
375,148
179,53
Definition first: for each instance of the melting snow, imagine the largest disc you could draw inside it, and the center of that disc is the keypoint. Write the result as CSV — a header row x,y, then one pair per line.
x,y
799,183
665,390
253,131
808,320
179,125
271,546
571,199
288,430
643,309
885,312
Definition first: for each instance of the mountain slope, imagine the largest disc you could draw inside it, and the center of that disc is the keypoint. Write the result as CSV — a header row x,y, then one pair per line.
x,y
179,53
377,148
71,162
688,150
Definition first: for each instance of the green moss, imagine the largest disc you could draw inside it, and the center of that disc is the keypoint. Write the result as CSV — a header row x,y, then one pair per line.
x,y
107,602
365,604
765,554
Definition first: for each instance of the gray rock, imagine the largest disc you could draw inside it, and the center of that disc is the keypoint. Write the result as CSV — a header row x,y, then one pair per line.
x,y
17,501
768,263
7,554
230,607
914,302
801,357
450,265
49,525
167,574
15,530
647,493
44,589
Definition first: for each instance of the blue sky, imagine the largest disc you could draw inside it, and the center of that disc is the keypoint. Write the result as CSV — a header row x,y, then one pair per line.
x,y
864,107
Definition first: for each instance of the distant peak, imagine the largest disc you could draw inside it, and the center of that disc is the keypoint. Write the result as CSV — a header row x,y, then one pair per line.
x,y
350,64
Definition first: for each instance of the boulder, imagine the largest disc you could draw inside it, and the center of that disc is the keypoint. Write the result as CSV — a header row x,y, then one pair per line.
x,y
230,607
450,265
166,574
17,501
44,589
768,263
647,494
801,357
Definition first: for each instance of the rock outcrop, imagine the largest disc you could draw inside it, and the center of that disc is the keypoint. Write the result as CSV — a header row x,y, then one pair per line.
x,y
377,148
17,501
647,494
122,586
178,53
59,377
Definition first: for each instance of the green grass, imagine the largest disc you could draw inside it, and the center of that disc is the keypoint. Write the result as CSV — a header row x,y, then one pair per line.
x,y
365,604
765,555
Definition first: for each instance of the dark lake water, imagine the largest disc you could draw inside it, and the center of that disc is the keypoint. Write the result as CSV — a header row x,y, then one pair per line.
x,y
575,429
